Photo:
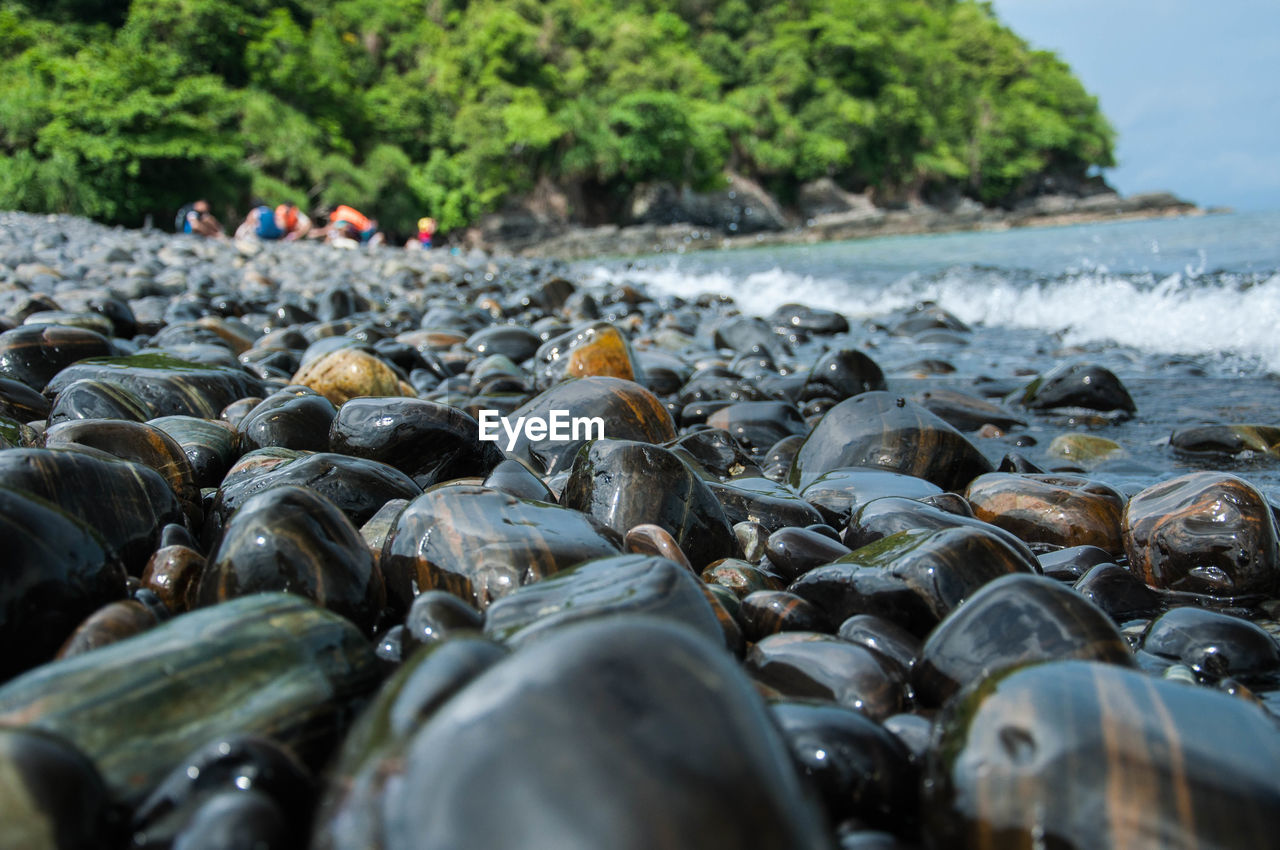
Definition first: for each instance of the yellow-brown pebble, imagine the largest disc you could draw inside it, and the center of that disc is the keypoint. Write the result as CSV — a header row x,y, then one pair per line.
x,y
603,352
348,373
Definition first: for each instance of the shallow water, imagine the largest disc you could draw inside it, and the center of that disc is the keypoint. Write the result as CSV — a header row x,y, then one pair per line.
x,y
1184,310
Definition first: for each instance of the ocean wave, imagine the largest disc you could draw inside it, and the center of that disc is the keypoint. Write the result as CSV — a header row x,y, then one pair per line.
x,y
1191,314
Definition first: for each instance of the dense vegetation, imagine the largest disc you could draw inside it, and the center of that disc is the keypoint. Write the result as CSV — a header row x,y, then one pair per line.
x,y
115,110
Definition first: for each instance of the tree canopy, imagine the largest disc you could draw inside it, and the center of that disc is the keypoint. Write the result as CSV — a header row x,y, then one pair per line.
x,y
405,107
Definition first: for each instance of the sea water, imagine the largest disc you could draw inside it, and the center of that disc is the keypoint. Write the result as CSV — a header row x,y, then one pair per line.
x,y
1185,310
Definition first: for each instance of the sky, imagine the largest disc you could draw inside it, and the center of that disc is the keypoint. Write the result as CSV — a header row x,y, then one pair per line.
x,y
1191,86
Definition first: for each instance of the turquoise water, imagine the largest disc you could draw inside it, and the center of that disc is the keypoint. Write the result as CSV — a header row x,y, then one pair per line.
x,y
1186,311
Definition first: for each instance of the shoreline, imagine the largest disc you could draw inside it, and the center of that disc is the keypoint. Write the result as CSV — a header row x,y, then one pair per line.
x,y
581,243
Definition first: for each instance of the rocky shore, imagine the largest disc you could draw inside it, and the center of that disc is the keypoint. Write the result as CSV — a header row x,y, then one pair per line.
x,y
663,219
269,582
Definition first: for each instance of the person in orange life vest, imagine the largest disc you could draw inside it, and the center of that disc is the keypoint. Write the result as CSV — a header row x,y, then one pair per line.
x,y
353,224
293,221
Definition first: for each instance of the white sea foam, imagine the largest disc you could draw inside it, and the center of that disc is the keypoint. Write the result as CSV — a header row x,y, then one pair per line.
x,y
1181,313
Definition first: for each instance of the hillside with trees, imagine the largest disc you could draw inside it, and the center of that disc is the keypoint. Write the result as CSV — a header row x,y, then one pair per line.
x,y
116,110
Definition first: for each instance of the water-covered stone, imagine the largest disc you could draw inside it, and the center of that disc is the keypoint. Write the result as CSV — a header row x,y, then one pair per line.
x,y
166,385
1085,386
758,425
840,492
209,444
1060,510
621,707
812,665
1212,643
33,354
1084,755
268,664
842,373
94,399
51,796
596,349
1118,592
1008,623
1226,441
767,612
141,502
913,578
482,544
292,539
428,441
626,410
1205,532
879,430
295,417
348,373
610,480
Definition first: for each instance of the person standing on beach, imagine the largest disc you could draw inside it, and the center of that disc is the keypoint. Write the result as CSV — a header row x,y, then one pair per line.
x,y
197,219
426,231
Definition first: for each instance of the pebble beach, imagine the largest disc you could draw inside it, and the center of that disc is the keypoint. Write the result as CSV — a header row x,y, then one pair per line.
x,y
327,548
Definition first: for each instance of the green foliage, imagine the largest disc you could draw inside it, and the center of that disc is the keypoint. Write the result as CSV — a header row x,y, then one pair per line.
x,y
449,108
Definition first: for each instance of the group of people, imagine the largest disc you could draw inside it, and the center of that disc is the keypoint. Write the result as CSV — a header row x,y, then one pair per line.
x,y
344,226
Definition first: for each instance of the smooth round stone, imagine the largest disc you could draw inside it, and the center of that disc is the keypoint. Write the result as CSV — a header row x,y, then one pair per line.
x,y
33,354
967,412
1226,441
482,544
514,478
1060,510
758,425
1118,592
229,818
166,385
1205,532
650,539
56,571
795,551
882,636
628,412
748,334
740,577
841,492
358,487
1087,450
436,615
178,812
814,320
881,518
140,443
714,453
767,612
1096,755
621,706
820,666
129,523
880,430
209,444
1010,622
94,399
776,464
511,341
21,402
1071,563
1078,385
51,796
1213,644
860,769
913,578
112,622
293,418
771,505
841,374
348,373
605,587
173,574
428,441
612,481
269,664
292,539
597,349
